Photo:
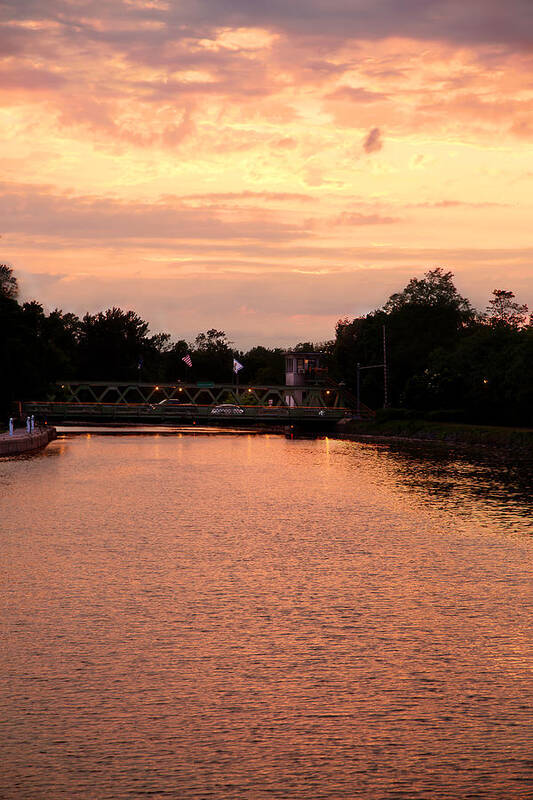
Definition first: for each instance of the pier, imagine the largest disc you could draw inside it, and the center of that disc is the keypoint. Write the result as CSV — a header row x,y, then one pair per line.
x,y
21,441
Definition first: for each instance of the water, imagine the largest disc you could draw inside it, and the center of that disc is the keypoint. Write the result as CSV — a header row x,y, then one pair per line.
x,y
248,617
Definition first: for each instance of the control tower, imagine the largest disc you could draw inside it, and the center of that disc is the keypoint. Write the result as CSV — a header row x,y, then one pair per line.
x,y
304,369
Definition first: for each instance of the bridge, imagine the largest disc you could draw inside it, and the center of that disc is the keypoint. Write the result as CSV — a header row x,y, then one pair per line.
x,y
314,406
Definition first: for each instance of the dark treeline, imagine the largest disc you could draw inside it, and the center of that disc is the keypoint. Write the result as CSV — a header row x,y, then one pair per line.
x,y
445,358
38,350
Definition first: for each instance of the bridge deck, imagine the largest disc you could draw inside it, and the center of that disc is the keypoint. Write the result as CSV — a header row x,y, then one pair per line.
x,y
55,412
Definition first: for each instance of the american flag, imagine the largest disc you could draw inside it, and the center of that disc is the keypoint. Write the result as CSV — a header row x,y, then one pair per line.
x,y
188,360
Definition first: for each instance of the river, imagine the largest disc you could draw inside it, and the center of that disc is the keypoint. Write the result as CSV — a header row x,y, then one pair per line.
x,y
240,617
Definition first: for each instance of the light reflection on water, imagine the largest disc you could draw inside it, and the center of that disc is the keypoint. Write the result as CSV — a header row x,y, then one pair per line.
x,y
487,486
251,617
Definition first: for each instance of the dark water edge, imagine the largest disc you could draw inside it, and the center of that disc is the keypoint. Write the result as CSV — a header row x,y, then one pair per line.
x,y
486,472
467,435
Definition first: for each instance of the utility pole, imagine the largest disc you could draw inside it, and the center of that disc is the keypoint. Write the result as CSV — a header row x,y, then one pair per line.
x,y
385,371
358,389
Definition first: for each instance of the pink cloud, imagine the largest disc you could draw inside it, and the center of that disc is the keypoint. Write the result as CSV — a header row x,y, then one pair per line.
x,y
354,218
356,95
100,219
15,78
450,20
373,142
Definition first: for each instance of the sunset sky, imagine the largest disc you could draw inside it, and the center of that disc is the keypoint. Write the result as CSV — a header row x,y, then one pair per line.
x,y
264,167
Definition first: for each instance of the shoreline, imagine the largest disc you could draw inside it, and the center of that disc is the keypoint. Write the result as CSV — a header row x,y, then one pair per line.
x,y
443,433
390,431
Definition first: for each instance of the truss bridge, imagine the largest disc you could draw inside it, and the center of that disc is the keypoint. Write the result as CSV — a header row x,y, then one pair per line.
x,y
199,403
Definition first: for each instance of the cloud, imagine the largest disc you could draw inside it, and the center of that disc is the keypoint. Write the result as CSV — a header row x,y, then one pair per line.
x,y
354,218
102,219
373,142
211,145
356,94
247,196
459,204
212,75
429,20
15,78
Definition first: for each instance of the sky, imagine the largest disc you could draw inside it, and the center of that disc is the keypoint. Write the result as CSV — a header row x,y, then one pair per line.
x,y
264,168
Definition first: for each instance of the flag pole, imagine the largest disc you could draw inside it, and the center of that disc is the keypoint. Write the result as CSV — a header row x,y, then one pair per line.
x,y
236,369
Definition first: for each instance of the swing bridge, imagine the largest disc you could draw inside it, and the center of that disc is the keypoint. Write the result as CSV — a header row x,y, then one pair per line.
x,y
319,406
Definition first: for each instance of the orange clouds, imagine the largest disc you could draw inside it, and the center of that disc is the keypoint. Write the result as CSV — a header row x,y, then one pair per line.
x,y
183,137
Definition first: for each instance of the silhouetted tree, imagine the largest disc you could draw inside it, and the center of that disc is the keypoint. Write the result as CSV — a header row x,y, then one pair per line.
x,y
504,310
212,357
442,354
264,366
111,344
8,283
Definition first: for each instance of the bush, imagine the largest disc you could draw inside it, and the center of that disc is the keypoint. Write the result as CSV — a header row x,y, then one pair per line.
x,y
446,415
388,414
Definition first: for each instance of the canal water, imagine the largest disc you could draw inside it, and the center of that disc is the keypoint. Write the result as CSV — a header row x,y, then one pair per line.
x,y
223,617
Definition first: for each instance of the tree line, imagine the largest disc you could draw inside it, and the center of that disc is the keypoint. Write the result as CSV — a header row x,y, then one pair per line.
x,y
38,350
445,358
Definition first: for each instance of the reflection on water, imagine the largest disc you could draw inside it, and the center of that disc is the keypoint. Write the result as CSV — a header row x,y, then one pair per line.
x,y
499,482
191,616
152,430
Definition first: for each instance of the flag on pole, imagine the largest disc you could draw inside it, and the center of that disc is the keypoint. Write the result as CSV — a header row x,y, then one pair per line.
x,y
188,360
236,366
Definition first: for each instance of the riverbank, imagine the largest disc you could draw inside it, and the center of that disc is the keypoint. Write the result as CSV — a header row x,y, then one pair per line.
x,y
446,432
24,442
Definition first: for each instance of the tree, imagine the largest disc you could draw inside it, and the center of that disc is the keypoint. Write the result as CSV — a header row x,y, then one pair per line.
x,y
436,290
503,310
264,366
111,344
212,341
173,365
8,283
305,347
429,313
212,357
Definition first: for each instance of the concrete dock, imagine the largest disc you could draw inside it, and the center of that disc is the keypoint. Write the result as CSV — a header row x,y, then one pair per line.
x,y
24,442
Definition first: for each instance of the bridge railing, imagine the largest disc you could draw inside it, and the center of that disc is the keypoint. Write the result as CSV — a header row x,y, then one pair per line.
x,y
146,412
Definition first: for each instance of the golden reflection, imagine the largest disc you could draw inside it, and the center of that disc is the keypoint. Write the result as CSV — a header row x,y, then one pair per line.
x,y
208,587
327,453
